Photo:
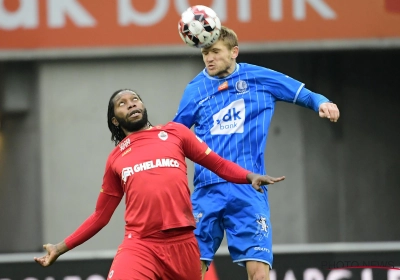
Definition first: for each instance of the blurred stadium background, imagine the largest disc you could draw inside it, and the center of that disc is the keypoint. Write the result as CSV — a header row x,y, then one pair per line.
x,y
60,60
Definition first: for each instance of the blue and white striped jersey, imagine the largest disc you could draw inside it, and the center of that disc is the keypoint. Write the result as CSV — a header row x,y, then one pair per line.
x,y
233,114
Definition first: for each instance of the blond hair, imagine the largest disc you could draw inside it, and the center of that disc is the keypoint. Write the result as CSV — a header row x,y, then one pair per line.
x,y
228,37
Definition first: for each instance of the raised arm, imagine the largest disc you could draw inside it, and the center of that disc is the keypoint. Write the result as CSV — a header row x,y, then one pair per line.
x,y
318,103
285,88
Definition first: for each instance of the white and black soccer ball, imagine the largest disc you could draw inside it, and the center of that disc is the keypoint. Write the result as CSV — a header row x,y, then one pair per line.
x,y
199,26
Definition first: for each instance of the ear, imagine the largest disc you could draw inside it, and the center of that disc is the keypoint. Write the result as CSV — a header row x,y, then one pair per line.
x,y
114,121
235,52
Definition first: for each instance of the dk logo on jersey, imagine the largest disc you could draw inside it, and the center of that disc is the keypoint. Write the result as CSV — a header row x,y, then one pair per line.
x,y
229,119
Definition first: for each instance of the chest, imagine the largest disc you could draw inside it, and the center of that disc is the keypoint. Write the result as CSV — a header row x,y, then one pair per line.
x,y
149,153
232,102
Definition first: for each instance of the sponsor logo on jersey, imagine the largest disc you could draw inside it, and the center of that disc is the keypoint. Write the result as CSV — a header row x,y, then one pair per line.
x,y
262,226
127,151
111,274
261,249
241,87
163,162
124,144
163,135
230,119
223,86
205,99
160,162
125,173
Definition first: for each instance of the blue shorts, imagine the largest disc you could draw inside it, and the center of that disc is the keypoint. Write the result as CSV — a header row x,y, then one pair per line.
x,y
239,210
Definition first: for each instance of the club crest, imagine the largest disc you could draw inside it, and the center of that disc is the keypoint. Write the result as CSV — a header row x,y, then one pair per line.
x,y
163,135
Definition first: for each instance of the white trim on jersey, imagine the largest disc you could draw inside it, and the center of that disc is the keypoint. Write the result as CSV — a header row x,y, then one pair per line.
x,y
297,93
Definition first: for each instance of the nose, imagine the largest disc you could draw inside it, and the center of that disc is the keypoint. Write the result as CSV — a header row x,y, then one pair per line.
x,y
209,57
131,104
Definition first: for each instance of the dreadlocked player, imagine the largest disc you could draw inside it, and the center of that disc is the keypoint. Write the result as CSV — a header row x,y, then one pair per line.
x,y
148,167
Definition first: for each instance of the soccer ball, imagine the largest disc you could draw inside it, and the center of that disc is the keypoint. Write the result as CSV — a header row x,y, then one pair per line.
x,y
199,26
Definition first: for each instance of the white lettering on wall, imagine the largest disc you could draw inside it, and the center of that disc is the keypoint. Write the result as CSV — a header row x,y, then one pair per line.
x,y
393,274
127,14
59,9
244,10
275,10
339,275
27,15
313,274
299,9
366,274
289,275
219,6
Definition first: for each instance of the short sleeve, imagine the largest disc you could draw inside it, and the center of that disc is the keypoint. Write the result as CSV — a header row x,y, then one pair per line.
x,y
111,181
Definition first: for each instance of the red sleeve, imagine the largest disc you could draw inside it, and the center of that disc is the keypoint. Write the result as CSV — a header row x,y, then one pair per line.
x,y
198,151
105,207
111,180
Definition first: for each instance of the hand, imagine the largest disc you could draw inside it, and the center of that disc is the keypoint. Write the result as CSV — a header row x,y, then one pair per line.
x,y
258,180
330,111
53,252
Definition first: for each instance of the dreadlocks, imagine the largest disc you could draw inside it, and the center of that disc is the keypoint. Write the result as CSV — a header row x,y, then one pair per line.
x,y
117,134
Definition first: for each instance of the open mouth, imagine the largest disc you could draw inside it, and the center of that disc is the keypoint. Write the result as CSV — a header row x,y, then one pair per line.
x,y
211,68
134,113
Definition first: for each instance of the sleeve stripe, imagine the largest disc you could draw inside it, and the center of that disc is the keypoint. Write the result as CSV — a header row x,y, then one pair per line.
x,y
297,93
208,151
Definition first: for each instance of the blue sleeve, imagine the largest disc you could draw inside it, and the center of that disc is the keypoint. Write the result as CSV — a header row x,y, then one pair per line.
x,y
309,99
185,114
281,86
285,88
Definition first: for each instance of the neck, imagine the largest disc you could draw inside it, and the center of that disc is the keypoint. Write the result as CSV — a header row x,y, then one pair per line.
x,y
145,127
228,71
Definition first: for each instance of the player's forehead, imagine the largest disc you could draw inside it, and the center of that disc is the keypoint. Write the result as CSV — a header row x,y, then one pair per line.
x,y
125,94
219,45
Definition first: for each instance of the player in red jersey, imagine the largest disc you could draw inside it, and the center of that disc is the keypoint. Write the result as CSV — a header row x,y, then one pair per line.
x,y
148,166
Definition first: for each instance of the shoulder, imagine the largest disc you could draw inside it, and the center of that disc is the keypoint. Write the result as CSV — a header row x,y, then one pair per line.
x,y
248,66
191,91
198,79
175,126
174,129
261,72
178,129
114,154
